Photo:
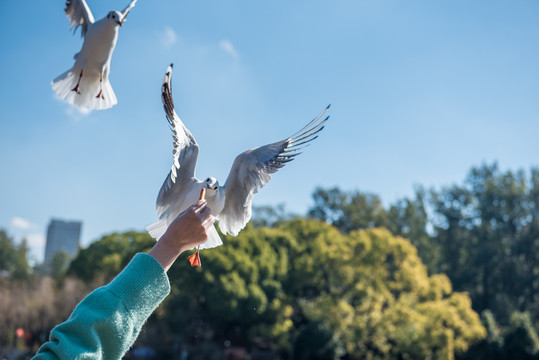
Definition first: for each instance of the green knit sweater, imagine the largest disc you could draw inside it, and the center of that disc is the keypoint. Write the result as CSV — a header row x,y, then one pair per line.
x,y
107,322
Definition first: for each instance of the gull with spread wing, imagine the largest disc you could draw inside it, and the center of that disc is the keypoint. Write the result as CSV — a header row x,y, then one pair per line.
x,y
231,202
86,84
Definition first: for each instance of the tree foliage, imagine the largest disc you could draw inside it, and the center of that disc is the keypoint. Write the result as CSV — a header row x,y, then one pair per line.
x,y
355,210
517,340
354,285
488,233
13,258
106,257
36,306
483,234
348,211
363,295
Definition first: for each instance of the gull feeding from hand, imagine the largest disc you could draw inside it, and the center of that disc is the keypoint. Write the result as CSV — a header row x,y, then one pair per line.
x,y
86,84
229,203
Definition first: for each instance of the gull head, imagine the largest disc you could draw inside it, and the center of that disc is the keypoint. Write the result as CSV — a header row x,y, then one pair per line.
x,y
115,17
212,185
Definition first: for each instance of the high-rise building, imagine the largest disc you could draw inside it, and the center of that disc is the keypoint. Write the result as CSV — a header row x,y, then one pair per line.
x,y
62,236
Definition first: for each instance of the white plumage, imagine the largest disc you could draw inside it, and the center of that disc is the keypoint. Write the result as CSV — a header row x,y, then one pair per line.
x,y
231,203
86,84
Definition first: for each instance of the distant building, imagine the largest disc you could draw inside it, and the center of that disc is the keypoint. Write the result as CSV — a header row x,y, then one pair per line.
x,y
62,236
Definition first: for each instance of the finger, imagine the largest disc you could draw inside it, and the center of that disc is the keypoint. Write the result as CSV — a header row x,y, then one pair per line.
x,y
204,213
199,206
208,222
183,212
207,219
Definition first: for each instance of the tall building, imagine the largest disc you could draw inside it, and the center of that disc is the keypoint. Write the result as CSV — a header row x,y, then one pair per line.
x,y
62,235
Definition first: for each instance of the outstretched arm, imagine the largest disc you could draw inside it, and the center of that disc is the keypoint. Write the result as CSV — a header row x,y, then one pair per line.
x,y
106,323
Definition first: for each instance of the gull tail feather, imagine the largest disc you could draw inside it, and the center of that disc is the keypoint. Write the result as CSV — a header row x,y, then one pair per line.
x,y
64,83
214,239
157,229
89,88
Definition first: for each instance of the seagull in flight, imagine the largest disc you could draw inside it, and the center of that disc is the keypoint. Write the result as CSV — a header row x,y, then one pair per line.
x,y
86,84
229,203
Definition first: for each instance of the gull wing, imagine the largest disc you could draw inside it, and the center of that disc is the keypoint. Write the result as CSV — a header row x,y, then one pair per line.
x,y
126,10
252,170
185,152
79,14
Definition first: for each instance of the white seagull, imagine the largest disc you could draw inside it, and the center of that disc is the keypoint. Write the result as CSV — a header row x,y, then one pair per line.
x,y
230,203
86,84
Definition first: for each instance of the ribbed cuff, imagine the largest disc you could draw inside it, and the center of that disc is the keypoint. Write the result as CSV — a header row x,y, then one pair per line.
x,y
142,286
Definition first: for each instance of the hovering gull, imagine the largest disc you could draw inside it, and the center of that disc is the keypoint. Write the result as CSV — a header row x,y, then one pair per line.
x,y
231,203
86,84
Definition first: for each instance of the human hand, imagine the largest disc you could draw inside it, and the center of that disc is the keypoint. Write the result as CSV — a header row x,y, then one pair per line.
x,y
190,228
187,231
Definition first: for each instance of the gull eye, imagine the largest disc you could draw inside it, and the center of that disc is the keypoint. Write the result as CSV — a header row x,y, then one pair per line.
x,y
215,188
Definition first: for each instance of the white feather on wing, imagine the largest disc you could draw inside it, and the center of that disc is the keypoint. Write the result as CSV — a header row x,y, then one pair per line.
x,y
185,151
251,171
127,8
79,14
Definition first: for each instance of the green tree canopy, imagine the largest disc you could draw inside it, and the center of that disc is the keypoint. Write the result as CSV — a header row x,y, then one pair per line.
x,y
483,233
487,231
366,294
13,257
106,257
348,211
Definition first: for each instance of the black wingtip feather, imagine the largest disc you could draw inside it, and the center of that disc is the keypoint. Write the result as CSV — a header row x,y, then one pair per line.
x,y
306,142
310,135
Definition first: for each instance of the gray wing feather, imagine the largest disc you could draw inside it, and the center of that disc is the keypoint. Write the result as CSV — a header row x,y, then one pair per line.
x,y
79,14
185,152
252,170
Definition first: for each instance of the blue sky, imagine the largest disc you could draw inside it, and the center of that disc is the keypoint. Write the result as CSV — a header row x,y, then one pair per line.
x,y
420,91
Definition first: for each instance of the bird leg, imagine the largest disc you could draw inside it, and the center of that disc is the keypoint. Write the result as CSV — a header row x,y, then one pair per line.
x,y
194,259
76,88
100,94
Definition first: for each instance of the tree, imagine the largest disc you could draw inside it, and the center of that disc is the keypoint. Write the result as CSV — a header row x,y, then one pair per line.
x,y
520,338
488,234
13,258
59,264
106,257
316,341
408,218
237,295
362,295
7,250
483,233
36,306
269,216
517,340
348,211
378,299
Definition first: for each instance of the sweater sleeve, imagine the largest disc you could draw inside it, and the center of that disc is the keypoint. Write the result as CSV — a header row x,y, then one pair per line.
x,y
107,322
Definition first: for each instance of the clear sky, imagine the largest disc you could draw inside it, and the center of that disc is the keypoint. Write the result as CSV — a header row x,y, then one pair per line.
x,y
421,91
